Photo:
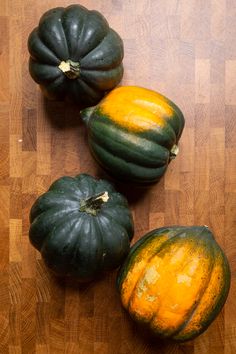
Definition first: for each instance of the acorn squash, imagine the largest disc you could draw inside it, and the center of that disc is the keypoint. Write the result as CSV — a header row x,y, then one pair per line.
x,y
74,54
81,226
175,281
133,133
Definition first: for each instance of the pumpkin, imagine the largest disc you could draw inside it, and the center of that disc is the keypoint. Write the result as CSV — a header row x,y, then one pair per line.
x,y
75,54
175,281
81,226
133,133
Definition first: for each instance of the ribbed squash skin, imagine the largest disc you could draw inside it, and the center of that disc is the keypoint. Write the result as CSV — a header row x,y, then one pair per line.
x,y
84,38
175,281
77,242
133,133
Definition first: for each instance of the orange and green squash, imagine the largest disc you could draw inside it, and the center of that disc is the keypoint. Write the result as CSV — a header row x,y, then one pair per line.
x,y
175,281
133,133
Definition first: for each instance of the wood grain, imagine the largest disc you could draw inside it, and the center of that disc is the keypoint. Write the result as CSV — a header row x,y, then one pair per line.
x,y
187,51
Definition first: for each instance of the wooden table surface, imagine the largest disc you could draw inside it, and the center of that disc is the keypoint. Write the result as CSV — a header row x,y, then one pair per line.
x,y
185,49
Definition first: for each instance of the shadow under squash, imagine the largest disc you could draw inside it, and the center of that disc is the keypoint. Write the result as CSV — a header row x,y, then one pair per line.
x,y
62,115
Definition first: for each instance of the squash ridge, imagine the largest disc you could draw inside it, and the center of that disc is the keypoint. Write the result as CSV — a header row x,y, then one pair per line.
x,y
192,312
132,166
50,234
157,250
56,20
110,141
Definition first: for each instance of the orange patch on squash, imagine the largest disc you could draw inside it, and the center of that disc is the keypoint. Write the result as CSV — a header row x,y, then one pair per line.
x,y
137,109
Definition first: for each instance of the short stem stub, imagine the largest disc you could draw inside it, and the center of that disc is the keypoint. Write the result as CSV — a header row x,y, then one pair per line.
x,y
93,204
86,114
70,68
174,152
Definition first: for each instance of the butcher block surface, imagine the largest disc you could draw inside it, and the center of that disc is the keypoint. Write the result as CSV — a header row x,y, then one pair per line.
x,y
183,49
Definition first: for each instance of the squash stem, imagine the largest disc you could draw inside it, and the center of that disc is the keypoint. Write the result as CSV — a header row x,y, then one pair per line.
x,y
93,204
86,114
70,68
174,152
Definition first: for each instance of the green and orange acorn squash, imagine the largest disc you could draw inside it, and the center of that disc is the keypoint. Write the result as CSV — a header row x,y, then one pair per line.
x,y
75,55
175,281
133,133
81,226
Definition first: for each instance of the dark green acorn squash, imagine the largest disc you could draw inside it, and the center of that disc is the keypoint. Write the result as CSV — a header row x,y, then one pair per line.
x,y
133,133
75,54
81,226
